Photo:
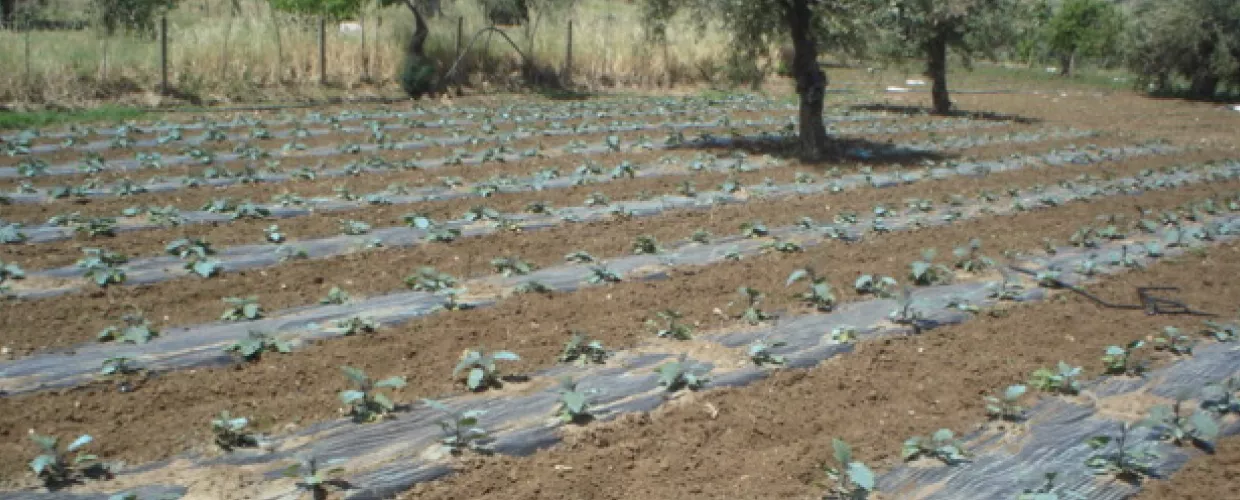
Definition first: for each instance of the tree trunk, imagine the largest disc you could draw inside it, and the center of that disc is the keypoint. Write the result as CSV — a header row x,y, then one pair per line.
x,y
811,81
936,71
8,11
420,32
1203,86
1065,63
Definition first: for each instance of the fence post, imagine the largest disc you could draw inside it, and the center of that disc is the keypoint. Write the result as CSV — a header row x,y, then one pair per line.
x,y
163,55
322,50
26,22
460,33
567,77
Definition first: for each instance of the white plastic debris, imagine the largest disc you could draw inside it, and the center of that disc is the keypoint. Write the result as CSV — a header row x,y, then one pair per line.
x,y
914,83
897,89
350,28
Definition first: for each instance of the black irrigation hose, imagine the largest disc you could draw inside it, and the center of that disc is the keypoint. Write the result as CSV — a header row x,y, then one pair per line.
x,y
1151,304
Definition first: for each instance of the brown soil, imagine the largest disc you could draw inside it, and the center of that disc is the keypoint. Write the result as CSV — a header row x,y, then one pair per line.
x,y
35,256
536,327
770,439
77,317
1205,477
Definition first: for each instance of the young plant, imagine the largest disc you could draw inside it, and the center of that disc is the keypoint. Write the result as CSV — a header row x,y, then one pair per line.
x,y
354,325
579,257
969,258
257,343
1006,407
601,274
102,267
646,245
941,445
819,295
904,313
1127,462
428,279
335,296
461,431
119,365
1222,332
313,479
574,406
672,327
134,329
843,335
1221,397
1119,360
582,351
59,467
677,375
509,266
230,432
753,314
482,371
760,354
242,309
754,229
1062,380
1045,491
195,253
925,272
1198,429
364,402
1173,341
273,234
881,286
851,480
354,227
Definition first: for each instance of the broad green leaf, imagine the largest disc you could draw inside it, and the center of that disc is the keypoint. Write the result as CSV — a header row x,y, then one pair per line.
x,y
350,397
475,378
81,441
384,402
505,356
1014,392
575,401
861,475
843,452
41,463
393,382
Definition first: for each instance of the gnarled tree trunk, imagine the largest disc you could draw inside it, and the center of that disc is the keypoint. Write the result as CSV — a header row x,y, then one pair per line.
x,y
936,71
811,81
1203,86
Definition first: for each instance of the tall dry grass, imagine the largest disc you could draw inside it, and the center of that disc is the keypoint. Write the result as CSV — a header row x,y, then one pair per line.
x,y
216,53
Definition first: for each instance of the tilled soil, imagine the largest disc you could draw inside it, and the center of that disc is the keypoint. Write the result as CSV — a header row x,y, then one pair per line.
x,y
77,317
1205,477
299,389
771,439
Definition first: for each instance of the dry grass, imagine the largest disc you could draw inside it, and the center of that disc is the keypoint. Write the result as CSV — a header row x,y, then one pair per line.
x,y
219,55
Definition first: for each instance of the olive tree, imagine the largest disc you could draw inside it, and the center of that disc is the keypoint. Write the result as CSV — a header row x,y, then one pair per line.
x,y
756,25
1198,40
928,28
1083,28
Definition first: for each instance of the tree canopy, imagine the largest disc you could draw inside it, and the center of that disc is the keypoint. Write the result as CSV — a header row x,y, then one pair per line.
x,y
1198,40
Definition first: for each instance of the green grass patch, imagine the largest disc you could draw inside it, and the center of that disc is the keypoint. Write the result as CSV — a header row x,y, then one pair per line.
x,y
10,120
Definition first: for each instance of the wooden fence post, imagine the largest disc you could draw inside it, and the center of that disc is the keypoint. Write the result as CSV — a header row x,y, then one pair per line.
x,y
322,50
567,76
163,54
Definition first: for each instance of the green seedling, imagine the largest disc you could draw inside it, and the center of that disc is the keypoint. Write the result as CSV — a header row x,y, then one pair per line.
x,y
1198,429
96,226
1222,332
904,313
760,354
582,351
273,234
754,229
851,480
510,266
229,432
574,406
597,199
59,467
242,309
1119,360
257,343
843,335
783,247
289,252
820,296
315,480
365,403
700,236
428,279
134,329
1049,278
579,257
600,274
355,325
481,370
646,245
1221,397
925,272
102,267
1173,341
672,327
1007,289
335,296
1046,491
1062,380
1127,462
1005,406
119,366
354,228
941,445
248,210
969,258
461,431
532,286
677,375
881,286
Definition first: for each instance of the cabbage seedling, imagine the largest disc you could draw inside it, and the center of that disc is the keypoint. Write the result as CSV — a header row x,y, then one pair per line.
x,y
601,274
102,266
59,467
1127,462
242,309
96,226
1005,407
354,325
118,365
677,375
673,328
925,272
579,257
700,236
1221,397
754,229
273,235
581,350
482,371
354,227
134,329
646,245
752,314
313,479
904,313
230,432
1118,360
969,258
574,406
427,279
335,296
509,266
1062,380
461,431
1046,490
853,480
941,445
820,296
760,354
1171,340
1199,428
256,343
364,402
881,286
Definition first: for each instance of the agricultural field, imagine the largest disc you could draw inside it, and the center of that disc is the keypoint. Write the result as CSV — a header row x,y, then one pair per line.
x,y
626,297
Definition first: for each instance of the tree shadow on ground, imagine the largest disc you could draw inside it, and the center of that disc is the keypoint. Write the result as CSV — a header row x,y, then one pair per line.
x,y
842,150
920,110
